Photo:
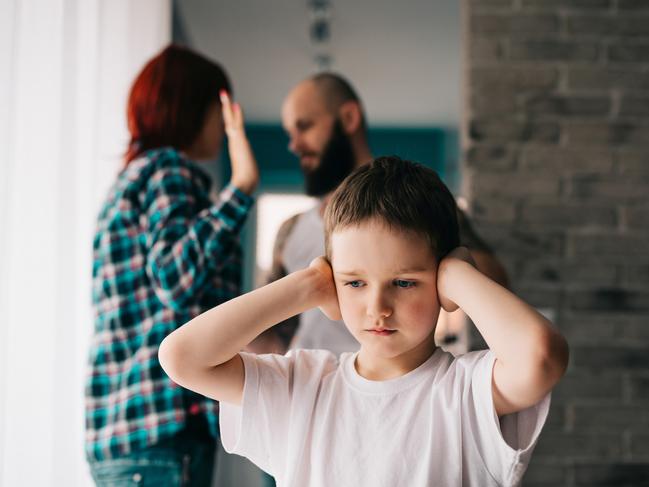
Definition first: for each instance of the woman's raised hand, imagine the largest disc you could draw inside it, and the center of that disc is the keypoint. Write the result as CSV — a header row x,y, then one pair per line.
x,y
245,174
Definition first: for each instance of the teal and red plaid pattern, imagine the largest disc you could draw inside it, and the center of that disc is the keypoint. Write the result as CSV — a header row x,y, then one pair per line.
x,y
163,253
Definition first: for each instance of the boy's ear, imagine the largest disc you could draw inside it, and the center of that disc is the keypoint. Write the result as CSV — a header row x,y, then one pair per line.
x,y
350,117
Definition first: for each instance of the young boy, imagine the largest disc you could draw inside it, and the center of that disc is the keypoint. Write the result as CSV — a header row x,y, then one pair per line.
x,y
400,412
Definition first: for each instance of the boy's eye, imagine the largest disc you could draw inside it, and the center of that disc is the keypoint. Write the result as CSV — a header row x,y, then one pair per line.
x,y
354,284
403,284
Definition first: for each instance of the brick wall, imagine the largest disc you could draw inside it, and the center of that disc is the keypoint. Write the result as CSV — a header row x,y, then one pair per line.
x,y
556,171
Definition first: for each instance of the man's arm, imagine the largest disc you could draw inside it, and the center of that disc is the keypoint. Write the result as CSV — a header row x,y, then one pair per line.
x,y
202,355
278,338
531,355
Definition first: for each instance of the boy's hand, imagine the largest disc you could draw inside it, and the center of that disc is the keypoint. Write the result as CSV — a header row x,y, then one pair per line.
x,y
326,288
245,174
445,271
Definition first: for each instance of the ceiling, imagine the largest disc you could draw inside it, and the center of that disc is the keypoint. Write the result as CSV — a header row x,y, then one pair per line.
x,y
404,58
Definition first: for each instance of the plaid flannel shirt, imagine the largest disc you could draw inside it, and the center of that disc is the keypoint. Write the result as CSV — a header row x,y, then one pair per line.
x,y
163,253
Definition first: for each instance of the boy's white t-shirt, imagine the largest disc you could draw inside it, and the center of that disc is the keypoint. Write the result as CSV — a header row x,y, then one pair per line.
x,y
311,420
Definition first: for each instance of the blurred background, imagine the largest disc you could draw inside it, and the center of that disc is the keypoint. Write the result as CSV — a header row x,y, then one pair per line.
x,y
533,111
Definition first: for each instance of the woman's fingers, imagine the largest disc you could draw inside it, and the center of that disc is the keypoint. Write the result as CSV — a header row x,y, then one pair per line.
x,y
237,115
226,108
245,174
232,112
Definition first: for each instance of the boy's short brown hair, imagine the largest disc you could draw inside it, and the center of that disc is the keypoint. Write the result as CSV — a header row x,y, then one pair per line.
x,y
404,195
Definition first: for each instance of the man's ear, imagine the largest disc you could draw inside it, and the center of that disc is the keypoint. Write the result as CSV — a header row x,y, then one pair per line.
x,y
350,117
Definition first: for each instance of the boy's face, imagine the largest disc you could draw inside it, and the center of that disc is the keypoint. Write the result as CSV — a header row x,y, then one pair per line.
x,y
386,282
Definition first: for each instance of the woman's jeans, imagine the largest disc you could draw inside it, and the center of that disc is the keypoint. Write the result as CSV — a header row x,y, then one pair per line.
x,y
182,461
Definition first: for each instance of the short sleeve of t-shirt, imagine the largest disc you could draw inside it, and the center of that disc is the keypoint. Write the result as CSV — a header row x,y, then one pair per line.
x,y
506,444
278,391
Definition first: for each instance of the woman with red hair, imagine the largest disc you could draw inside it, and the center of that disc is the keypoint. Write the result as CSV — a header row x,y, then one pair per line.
x,y
163,253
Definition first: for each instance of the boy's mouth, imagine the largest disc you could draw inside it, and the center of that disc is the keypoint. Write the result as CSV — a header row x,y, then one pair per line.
x,y
381,331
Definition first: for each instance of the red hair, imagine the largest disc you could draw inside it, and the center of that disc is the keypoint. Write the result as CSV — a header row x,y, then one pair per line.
x,y
170,98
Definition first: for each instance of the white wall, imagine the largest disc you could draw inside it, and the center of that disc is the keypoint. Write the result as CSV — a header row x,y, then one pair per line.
x,y
66,69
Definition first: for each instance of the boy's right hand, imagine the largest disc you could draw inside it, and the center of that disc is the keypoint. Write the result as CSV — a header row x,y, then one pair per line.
x,y
326,288
245,174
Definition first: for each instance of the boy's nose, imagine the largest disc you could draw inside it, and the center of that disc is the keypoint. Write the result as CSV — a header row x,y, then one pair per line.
x,y
378,308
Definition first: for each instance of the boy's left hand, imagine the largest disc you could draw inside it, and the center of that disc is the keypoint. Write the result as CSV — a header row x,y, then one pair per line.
x,y
445,268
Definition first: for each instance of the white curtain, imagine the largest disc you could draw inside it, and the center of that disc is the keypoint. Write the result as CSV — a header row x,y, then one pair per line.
x,y
65,68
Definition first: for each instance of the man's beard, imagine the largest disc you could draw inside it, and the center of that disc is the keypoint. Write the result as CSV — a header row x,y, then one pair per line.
x,y
335,164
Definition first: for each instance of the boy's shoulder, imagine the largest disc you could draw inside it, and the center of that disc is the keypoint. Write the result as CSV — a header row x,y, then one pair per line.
x,y
309,366
470,360
313,359
462,369
295,361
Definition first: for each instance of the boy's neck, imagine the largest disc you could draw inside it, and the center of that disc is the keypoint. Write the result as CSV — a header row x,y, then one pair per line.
x,y
378,368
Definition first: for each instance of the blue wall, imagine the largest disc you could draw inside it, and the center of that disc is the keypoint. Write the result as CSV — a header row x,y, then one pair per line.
x,y
280,169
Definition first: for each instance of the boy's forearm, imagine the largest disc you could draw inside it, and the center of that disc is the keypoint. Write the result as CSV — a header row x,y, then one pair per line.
x,y
214,337
514,331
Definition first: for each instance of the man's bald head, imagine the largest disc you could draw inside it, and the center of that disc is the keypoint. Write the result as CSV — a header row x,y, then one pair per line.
x,y
324,121
336,90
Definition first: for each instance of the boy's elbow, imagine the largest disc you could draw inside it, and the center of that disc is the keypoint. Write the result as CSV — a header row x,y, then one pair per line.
x,y
553,357
169,358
